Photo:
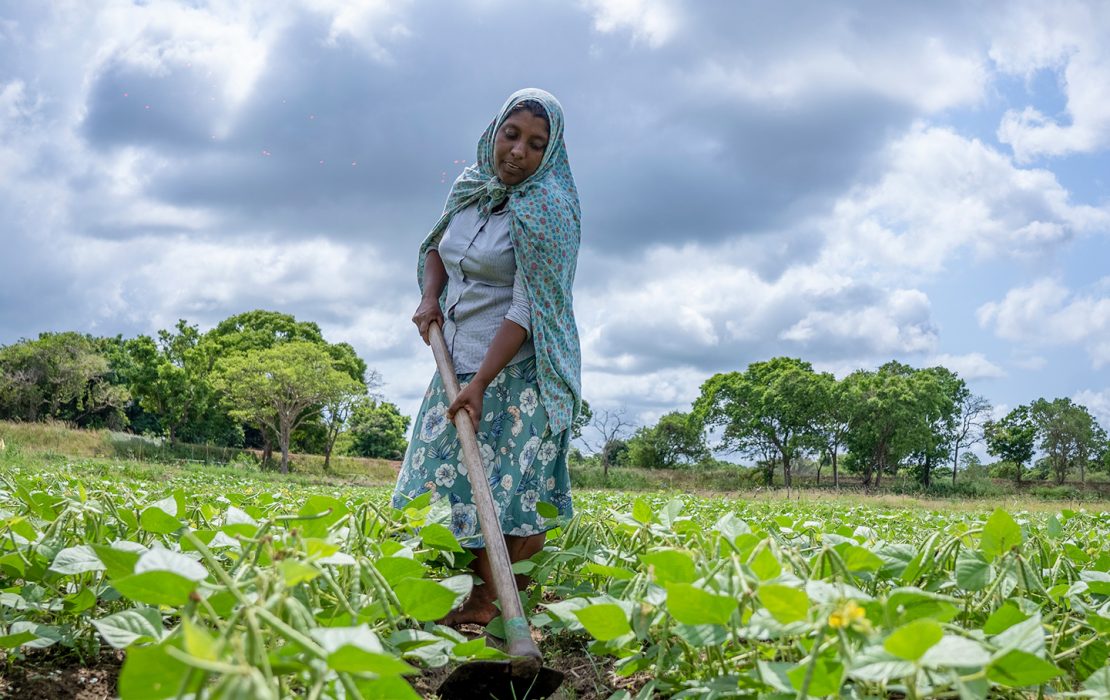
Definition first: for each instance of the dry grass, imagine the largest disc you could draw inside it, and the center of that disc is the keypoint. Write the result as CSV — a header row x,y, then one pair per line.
x,y
54,439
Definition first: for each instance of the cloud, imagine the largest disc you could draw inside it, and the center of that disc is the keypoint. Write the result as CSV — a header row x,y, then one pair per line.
x,y
1068,39
1047,313
1097,402
654,21
970,366
941,193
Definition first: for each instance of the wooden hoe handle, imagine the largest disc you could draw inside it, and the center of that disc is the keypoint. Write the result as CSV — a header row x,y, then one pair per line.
x,y
526,656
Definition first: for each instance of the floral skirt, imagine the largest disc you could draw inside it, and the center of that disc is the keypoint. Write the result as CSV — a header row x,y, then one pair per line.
x,y
525,464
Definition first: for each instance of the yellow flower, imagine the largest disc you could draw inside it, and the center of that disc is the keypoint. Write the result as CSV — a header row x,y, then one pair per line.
x,y
847,614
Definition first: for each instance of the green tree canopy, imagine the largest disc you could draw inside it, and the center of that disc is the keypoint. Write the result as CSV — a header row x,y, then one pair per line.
x,y
280,387
63,376
676,439
1013,438
773,406
378,429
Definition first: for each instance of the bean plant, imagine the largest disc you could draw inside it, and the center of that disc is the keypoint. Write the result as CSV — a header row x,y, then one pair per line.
x,y
223,585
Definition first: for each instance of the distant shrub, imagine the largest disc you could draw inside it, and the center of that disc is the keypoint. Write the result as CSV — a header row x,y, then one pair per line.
x,y
1058,493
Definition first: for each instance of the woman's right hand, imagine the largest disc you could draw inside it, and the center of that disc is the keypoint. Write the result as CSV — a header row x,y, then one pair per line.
x,y
426,313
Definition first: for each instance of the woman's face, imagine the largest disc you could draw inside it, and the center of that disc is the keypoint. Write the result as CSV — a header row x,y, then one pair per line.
x,y
519,146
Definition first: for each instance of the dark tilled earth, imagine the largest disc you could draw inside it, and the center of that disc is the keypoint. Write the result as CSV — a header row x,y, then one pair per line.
x,y
49,675
46,675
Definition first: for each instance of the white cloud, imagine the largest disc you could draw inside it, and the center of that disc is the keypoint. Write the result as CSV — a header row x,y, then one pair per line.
x,y
653,21
1097,402
940,193
1068,38
916,70
971,366
1047,313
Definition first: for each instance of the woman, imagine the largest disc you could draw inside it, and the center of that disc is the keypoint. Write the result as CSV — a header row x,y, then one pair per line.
x,y
496,273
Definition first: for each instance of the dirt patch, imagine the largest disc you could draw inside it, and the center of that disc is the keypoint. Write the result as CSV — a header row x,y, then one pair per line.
x,y
585,676
52,676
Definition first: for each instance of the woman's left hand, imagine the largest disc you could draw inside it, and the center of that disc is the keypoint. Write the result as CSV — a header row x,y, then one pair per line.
x,y
470,399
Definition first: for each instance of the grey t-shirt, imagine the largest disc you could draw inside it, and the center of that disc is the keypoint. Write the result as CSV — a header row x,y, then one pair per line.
x,y
483,287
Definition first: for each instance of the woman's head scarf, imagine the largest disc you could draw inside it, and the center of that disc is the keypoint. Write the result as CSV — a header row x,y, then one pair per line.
x,y
545,230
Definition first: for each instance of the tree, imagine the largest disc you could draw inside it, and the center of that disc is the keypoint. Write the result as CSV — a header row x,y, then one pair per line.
x,y
1013,438
278,388
581,421
611,427
170,378
1068,434
973,411
833,422
774,404
63,376
882,402
937,391
260,330
674,440
378,429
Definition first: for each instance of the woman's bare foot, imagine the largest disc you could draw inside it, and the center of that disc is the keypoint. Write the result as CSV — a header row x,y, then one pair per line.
x,y
477,610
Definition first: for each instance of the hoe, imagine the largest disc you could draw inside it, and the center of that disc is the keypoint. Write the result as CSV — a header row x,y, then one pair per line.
x,y
524,675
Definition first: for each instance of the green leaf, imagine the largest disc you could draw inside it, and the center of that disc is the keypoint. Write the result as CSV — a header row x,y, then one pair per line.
x,y
1018,669
149,673
858,558
197,641
80,602
156,588
1006,616
973,572
315,505
118,562
76,560
439,537
765,565
616,572
158,521
605,621
396,569
295,572
911,641
1098,683
424,600
386,688
546,510
828,674
785,604
1000,534
641,511
123,629
11,641
953,651
1054,528
670,566
356,660
693,606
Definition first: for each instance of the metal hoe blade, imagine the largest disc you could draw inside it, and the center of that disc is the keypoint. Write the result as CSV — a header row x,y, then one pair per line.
x,y
485,680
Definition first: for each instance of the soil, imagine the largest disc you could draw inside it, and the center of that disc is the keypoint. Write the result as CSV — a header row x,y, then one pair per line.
x,y
48,675
586,677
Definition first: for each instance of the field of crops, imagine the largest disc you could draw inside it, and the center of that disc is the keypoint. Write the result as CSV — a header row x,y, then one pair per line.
x,y
228,586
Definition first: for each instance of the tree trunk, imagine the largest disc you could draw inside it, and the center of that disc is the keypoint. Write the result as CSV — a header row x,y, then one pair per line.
x,y
786,470
284,439
928,471
955,462
327,458
836,474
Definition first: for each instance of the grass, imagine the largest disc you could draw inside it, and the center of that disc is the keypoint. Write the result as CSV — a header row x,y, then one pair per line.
x,y
57,441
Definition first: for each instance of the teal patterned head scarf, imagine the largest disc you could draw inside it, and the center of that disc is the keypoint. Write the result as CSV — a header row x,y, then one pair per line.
x,y
545,231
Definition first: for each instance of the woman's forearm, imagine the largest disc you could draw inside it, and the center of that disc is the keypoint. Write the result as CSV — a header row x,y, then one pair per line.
x,y
435,275
506,343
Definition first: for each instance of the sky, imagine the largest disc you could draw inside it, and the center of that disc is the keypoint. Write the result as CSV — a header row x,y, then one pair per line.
x,y
847,183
